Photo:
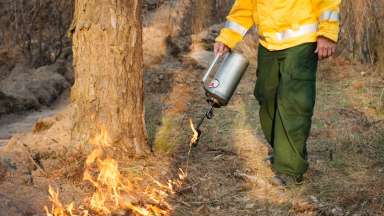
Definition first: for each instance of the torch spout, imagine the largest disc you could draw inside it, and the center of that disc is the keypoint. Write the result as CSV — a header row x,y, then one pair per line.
x,y
207,115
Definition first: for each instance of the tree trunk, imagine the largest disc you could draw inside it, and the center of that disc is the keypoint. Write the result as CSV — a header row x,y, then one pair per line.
x,y
108,61
361,33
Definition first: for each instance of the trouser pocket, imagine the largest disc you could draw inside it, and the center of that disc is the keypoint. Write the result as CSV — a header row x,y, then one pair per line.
x,y
301,62
297,91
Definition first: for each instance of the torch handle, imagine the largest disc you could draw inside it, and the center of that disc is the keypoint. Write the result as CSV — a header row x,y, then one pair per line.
x,y
210,69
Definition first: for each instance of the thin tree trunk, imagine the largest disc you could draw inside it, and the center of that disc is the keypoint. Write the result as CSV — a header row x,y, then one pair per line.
x,y
108,62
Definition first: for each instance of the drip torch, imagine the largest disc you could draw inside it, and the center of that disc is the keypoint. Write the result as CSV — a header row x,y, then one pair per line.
x,y
230,70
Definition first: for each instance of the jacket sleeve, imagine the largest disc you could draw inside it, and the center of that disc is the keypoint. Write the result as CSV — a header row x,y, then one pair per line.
x,y
239,21
328,12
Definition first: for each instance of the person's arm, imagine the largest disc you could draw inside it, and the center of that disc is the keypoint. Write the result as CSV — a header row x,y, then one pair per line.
x,y
328,13
239,21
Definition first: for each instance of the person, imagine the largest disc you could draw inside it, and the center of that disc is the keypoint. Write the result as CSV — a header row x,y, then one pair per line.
x,y
293,36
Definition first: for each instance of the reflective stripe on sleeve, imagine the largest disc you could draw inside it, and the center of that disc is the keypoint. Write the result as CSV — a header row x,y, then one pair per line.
x,y
330,16
236,28
290,33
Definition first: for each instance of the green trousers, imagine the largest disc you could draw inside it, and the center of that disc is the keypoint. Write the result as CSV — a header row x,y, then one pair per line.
x,y
286,91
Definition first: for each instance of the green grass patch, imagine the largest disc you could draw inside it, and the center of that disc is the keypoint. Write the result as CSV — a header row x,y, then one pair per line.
x,y
168,135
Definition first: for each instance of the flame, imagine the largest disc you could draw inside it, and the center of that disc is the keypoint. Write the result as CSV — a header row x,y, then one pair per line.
x,y
113,192
58,209
195,135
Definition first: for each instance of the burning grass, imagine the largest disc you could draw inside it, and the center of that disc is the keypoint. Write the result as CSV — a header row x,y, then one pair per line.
x,y
113,192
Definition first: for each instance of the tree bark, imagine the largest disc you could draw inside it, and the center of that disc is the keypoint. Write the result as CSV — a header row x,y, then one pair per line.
x,y
361,34
108,61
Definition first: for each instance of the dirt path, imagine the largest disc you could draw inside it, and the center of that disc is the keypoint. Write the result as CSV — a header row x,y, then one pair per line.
x,y
23,122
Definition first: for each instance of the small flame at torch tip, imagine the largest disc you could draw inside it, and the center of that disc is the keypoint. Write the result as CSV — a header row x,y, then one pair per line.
x,y
195,136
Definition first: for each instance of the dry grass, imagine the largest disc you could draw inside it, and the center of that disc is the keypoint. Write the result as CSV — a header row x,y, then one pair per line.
x,y
227,175
167,136
346,153
346,142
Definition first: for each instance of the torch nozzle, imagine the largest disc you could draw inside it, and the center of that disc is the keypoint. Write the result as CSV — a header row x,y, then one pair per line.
x,y
209,115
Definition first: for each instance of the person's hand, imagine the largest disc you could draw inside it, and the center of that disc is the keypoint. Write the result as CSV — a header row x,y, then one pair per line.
x,y
220,48
325,47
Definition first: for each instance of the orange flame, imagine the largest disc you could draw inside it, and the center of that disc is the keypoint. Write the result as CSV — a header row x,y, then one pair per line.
x,y
195,136
114,192
58,209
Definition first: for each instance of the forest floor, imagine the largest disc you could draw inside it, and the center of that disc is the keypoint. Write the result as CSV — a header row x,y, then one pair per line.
x,y
227,174
227,171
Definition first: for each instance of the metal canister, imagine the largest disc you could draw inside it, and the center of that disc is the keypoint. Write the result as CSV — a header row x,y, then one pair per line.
x,y
226,79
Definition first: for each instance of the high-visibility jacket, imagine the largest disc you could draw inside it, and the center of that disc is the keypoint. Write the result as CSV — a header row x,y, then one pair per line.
x,y
282,24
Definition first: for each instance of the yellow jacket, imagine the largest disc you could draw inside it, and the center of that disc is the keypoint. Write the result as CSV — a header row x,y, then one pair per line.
x,y
282,24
